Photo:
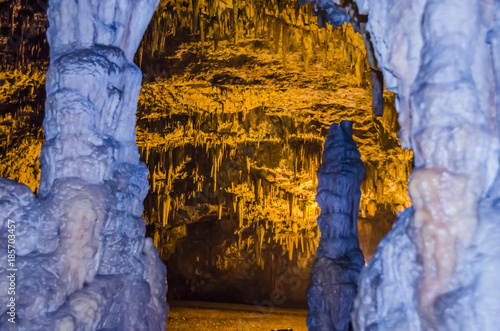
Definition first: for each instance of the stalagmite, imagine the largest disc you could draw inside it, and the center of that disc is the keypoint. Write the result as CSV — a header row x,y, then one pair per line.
x,y
339,259
82,261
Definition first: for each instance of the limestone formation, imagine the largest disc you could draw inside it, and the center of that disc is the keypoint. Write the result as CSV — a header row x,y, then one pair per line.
x,y
81,259
435,270
336,269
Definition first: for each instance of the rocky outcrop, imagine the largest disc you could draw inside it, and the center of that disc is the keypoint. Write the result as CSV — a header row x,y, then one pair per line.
x,y
81,259
339,261
436,56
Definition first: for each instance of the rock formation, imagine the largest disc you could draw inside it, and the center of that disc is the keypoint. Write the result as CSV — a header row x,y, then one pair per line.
x,y
436,269
81,259
339,261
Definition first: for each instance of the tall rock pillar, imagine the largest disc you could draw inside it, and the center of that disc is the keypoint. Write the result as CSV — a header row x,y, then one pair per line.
x,y
435,269
339,260
81,261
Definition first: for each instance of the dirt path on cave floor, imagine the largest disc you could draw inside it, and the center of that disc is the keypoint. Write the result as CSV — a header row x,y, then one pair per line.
x,y
193,316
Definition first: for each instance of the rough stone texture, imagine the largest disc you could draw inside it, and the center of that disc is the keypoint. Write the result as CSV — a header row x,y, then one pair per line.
x,y
435,270
336,269
396,258
82,259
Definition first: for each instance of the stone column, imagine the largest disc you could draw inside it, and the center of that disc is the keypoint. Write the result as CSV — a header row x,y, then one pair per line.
x,y
434,269
82,261
339,260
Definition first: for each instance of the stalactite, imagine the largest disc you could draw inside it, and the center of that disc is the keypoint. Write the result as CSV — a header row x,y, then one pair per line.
x,y
166,209
240,211
157,239
220,200
257,190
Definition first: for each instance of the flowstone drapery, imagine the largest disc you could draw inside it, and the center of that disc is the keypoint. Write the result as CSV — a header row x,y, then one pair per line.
x,y
82,261
339,261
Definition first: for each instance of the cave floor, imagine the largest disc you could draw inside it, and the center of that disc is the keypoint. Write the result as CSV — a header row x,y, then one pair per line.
x,y
193,315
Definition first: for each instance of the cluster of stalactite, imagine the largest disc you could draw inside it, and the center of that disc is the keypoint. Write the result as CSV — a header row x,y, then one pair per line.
x,y
223,151
22,36
234,132
23,59
233,184
375,186
286,25
219,120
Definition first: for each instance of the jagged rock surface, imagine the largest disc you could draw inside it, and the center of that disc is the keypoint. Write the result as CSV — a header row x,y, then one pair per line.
x,y
336,269
437,57
82,259
396,258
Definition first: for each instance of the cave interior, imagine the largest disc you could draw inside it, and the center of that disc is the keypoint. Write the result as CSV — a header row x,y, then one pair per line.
x,y
236,101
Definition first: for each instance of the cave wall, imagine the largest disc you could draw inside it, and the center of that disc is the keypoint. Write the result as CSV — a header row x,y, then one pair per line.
x,y
260,129
80,258
233,135
22,35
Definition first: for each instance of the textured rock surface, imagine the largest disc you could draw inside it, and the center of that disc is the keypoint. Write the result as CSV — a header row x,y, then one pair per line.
x,y
82,259
336,269
395,259
443,73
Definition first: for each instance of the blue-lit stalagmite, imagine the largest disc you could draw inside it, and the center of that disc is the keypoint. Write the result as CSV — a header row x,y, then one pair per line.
x,y
82,260
336,269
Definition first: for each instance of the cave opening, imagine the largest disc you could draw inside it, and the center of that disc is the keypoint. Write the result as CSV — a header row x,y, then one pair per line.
x,y
236,101
231,122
